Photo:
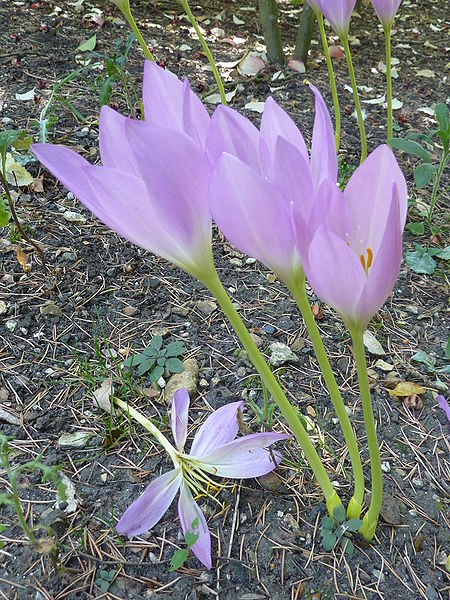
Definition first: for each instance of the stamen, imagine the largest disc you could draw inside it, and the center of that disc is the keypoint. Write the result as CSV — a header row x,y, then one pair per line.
x,y
363,261
366,264
369,257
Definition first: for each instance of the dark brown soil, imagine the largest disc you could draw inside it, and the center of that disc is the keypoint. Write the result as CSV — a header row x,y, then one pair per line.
x,y
266,543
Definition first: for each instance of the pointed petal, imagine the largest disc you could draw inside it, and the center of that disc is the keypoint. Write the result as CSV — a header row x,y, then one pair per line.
x,y
192,520
369,203
442,402
323,147
386,264
253,215
338,13
219,428
115,148
149,508
162,97
245,457
275,123
195,116
179,417
233,133
335,272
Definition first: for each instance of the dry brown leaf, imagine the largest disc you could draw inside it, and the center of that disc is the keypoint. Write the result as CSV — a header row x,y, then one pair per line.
x,y
22,259
406,389
103,393
413,402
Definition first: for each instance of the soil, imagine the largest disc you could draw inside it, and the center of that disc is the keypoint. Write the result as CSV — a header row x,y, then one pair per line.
x,y
107,298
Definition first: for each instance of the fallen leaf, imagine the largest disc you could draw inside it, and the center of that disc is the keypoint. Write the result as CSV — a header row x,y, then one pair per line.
x,y
237,20
405,388
428,73
413,402
103,394
255,106
22,259
372,344
297,65
251,64
26,96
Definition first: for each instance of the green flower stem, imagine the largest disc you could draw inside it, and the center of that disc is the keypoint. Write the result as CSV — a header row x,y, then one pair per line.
x,y
299,292
351,70
387,36
147,424
187,10
215,286
126,11
337,110
371,517
437,180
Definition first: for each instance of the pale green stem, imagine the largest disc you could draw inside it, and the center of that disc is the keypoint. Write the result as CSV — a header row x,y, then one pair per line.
x,y
126,11
287,410
187,9
370,519
337,110
351,70
147,424
299,292
387,36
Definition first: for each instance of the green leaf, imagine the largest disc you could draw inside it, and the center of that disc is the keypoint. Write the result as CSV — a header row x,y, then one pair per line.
x,y
348,546
423,174
329,541
416,228
6,499
410,147
157,373
447,348
4,214
353,524
191,538
3,527
156,342
328,523
145,366
175,348
420,261
174,365
422,357
445,369
161,361
442,116
339,513
105,91
88,45
444,254
178,559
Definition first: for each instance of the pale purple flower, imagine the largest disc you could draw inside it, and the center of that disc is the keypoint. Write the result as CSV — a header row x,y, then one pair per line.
x,y
351,244
338,13
442,402
152,186
386,10
316,5
257,174
214,451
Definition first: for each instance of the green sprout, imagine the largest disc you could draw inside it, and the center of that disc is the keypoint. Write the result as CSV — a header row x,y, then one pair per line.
x,y
337,530
157,360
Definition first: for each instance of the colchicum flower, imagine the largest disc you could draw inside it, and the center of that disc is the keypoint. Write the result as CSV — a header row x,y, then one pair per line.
x,y
152,186
257,173
214,451
338,13
351,246
386,10
442,402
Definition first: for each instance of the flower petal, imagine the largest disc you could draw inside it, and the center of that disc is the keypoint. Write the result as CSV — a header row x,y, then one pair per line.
x,y
386,264
442,402
196,118
253,215
233,133
275,123
369,198
179,417
323,147
193,521
219,428
335,272
245,457
149,508
114,145
162,97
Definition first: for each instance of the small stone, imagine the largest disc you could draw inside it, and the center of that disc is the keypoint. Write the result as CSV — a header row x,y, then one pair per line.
x,y
68,257
417,482
206,307
390,510
412,309
74,217
431,593
269,329
104,477
130,310
4,394
8,417
3,307
280,354
383,365
203,383
250,261
257,340
298,344
290,522
270,481
11,324
343,364
241,372
378,574
236,262
242,355
385,467
187,379
372,344
8,279
78,439
51,310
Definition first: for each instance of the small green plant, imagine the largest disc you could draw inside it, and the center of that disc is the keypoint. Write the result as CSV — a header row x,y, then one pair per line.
x,y
157,360
264,415
337,530
424,147
345,171
179,556
104,579
115,71
49,473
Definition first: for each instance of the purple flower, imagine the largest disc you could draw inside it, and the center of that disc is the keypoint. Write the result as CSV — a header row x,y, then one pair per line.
x,y
444,405
152,186
258,173
214,451
338,13
386,10
351,244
